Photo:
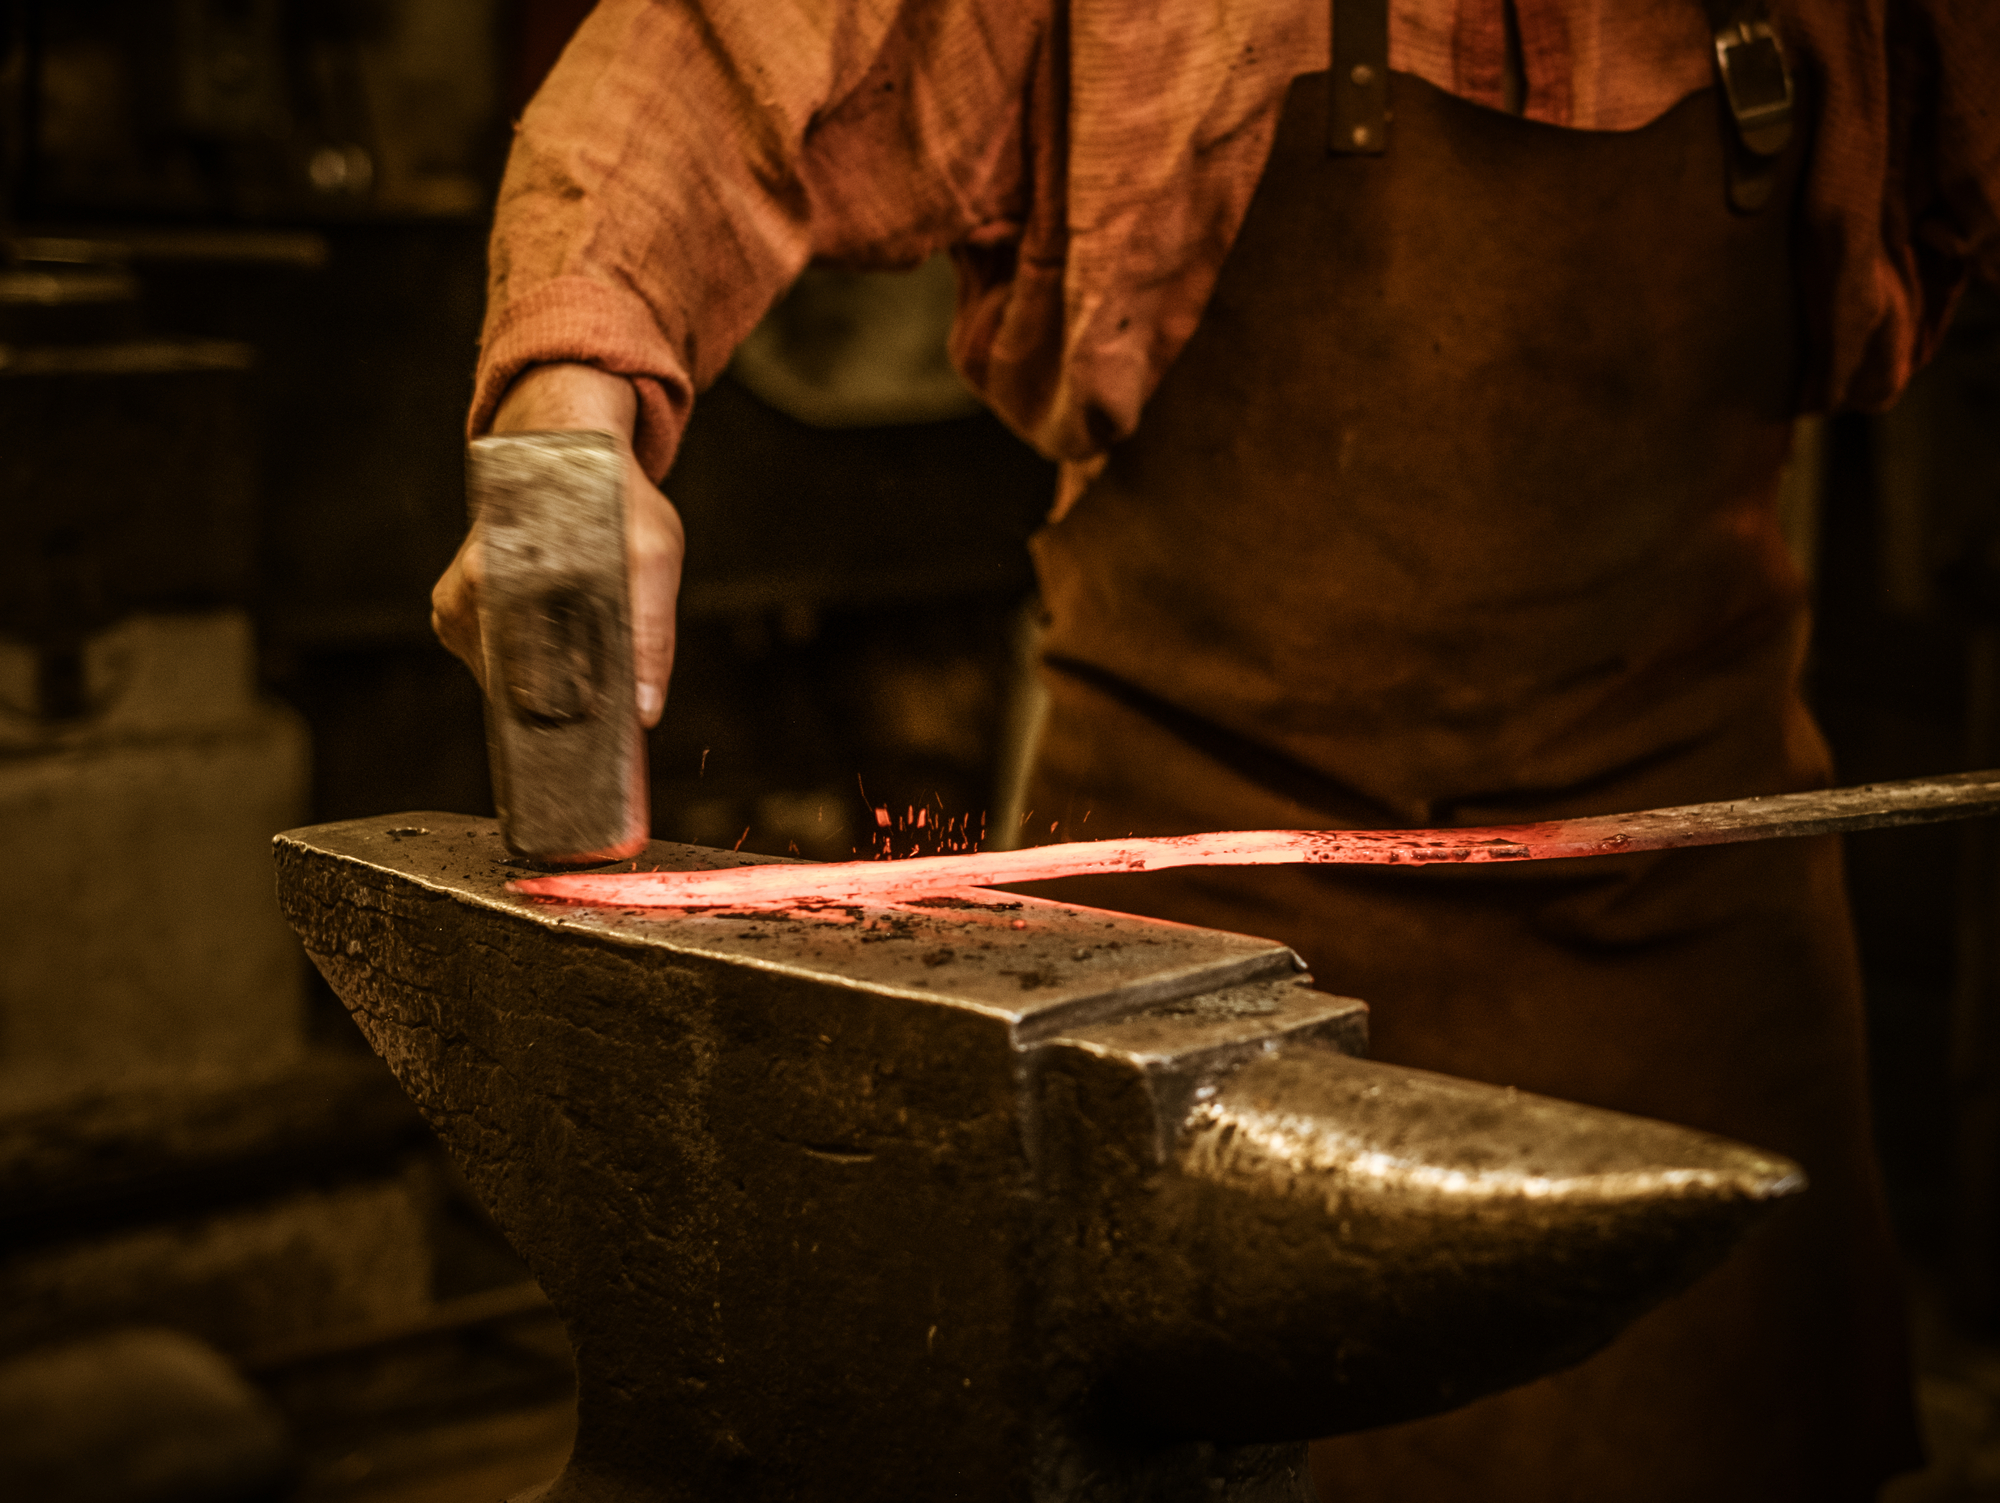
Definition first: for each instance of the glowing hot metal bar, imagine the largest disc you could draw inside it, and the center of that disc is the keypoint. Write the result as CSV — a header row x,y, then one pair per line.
x,y
789,885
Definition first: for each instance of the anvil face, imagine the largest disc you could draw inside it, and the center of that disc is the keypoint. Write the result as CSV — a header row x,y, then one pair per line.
x,y
989,1198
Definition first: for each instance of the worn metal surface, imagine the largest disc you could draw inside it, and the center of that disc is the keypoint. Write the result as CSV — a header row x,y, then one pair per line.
x,y
998,1199
562,723
1820,812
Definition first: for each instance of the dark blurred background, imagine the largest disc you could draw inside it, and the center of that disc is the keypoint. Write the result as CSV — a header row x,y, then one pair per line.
x,y
241,265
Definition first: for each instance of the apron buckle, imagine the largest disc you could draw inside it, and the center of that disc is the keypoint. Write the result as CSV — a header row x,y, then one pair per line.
x,y
1757,88
1757,83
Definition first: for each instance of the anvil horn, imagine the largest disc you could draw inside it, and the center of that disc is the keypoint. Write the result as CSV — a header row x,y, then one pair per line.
x,y
981,1197
1336,1244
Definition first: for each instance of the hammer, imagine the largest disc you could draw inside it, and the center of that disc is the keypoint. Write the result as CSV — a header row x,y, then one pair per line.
x,y
562,732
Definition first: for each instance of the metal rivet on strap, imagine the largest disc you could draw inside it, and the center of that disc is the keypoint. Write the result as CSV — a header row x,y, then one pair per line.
x,y
1357,121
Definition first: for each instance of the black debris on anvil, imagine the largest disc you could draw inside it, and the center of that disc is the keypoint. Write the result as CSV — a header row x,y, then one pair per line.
x,y
1034,980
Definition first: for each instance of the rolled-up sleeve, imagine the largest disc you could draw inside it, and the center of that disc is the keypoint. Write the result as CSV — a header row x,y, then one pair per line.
x,y
687,158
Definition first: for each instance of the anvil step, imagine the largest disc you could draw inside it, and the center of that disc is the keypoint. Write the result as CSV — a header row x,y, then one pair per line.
x,y
984,1197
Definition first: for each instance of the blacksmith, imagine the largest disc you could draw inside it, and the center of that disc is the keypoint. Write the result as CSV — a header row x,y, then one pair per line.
x,y
1421,413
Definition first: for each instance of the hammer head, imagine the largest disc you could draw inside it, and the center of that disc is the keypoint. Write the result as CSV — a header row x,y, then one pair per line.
x,y
562,724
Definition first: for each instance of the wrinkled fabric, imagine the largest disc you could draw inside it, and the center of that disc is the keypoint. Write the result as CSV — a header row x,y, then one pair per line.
x,y
1089,162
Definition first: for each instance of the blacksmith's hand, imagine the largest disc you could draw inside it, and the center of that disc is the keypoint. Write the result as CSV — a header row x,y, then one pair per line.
x,y
548,397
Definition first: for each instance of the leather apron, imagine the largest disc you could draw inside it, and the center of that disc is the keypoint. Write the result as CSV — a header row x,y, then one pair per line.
x,y
1460,508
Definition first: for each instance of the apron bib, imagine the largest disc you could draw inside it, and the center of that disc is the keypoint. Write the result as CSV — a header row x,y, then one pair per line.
x,y
1460,508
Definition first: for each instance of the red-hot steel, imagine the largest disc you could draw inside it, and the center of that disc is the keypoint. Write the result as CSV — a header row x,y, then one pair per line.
x,y
786,885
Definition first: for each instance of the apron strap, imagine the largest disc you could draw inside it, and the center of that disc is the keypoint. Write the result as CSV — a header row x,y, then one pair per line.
x,y
1357,117
1756,89
1754,76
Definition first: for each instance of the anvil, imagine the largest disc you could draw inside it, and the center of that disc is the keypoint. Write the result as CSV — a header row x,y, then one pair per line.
x,y
980,1196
